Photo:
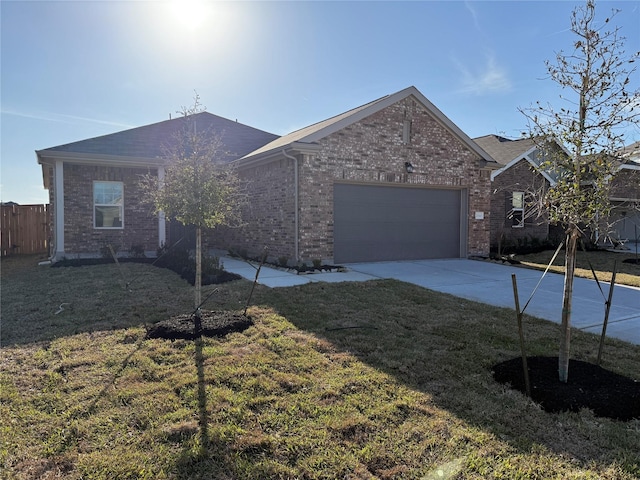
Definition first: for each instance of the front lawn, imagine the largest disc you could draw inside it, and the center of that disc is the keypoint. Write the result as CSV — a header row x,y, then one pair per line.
x,y
601,261
375,380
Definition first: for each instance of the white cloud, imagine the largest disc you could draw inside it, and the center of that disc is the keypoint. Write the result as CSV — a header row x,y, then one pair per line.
x,y
489,79
474,15
61,118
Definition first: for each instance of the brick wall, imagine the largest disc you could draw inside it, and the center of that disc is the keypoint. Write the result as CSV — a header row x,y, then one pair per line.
x,y
624,220
518,178
626,185
371,150
269,216
140,225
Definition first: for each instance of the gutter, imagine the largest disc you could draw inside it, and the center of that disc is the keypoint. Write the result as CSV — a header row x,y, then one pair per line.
x,y
50,156
295,201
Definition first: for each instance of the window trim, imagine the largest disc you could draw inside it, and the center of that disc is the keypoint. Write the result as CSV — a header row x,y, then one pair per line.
x,y
119,205
514,210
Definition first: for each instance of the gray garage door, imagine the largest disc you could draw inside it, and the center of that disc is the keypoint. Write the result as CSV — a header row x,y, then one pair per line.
x,y
376,223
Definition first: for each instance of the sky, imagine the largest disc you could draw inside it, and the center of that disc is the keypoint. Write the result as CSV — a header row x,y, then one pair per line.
x,y
74,70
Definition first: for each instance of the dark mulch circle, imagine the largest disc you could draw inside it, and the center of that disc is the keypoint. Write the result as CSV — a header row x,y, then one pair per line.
x,y
606,393
214,324
634,261
187,272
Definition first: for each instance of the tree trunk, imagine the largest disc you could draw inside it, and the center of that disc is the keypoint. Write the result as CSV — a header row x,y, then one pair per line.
x,y
198,279
567,296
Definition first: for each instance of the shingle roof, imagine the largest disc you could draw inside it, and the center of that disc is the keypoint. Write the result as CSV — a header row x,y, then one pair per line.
x,y
317,131
151,141
631,153
504,150
304,134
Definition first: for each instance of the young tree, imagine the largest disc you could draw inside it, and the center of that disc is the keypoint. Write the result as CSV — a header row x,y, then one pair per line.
x,y
198,187
599,103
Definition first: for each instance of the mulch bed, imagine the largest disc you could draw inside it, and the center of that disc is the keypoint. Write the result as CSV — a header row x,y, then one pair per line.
x,y
188,274
606,393
214,324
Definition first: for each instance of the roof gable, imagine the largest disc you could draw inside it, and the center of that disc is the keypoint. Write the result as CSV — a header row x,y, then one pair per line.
x,y
631,155
311,134
152,141
504,150
509,152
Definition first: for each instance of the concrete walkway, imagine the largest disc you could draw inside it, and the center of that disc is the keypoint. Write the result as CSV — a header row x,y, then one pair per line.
x,y
484,282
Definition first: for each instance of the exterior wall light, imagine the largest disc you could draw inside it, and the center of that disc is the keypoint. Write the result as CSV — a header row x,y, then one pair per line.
x,y
408,167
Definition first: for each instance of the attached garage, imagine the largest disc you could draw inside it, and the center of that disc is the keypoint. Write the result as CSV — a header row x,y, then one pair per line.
x,y
388,222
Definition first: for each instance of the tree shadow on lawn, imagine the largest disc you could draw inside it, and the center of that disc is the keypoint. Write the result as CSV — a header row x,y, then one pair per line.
x,y
41,303
446,347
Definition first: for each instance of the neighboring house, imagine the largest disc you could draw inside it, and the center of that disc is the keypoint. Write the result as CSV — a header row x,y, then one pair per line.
x,y
514,186
624,222
520,180
393,179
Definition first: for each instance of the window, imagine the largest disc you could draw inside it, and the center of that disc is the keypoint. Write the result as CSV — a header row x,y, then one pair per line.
x,y
517,209
108,204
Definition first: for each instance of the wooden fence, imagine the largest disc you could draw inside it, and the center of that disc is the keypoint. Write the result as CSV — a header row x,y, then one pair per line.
x,y
24,229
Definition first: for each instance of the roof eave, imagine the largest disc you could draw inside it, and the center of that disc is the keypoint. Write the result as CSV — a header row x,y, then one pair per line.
x,y
527,157
294,148
629,166
389,100
49,156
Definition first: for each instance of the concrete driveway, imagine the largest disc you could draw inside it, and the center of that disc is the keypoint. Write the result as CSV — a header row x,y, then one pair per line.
x,y
488,283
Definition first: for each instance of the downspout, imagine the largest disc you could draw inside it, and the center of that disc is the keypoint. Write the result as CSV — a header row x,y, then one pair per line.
x,y
295,203
162,225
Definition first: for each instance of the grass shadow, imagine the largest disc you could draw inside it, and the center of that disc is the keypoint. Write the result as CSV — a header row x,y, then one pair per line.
x,y
40,303
445,347
203,415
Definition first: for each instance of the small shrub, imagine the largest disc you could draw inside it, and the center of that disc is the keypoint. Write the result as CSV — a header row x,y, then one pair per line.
x,y
210,265
317,263
137,251
239,252
180,261
283,261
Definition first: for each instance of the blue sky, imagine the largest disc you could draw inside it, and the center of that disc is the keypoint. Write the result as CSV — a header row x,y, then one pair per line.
x,y
79,69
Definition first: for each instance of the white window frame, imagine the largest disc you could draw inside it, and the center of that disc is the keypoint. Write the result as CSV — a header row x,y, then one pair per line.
x,y
517,209
111,204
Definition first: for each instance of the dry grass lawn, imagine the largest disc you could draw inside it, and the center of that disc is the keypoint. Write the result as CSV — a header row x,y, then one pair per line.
x,y
375,380
601,261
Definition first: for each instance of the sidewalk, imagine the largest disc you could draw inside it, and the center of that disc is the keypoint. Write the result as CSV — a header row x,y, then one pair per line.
x,y
483,282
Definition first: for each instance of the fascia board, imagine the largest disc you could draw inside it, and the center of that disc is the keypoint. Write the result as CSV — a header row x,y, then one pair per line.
x,y
47,156
392,99
528,158
626,166
276,153
305,147
526,154
623,199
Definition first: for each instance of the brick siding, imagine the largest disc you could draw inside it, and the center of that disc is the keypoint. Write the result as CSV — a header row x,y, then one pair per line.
x,y
80,237
518,178
371,151
268,217
626,185
625,206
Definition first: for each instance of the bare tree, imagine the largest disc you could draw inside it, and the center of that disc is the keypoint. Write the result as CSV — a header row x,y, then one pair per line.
x,y
599,102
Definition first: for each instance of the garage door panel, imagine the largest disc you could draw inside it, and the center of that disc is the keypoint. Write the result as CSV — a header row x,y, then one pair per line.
x,y
373,223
